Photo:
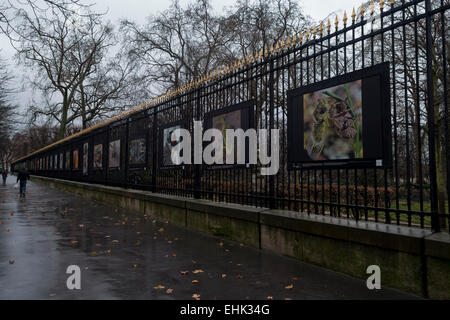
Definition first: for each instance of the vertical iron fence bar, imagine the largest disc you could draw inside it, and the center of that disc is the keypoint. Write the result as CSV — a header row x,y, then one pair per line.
x,y
446,113
386,185
419,147
154,148
405,92
127,130
394,101
197,168
431,117
271,126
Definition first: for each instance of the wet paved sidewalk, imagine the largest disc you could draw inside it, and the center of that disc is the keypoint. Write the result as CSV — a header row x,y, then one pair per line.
x,y
123,255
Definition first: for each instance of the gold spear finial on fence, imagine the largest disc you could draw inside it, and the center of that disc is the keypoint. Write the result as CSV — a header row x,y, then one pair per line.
x,y
345,18
381,4
294,40
282,44
329,26
314,31
271,49
362,10
288,42
336,22
277,47
372,7
321,28
307,34
392,2
300,38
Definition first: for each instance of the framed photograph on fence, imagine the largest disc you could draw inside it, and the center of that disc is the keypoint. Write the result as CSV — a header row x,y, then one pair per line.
x,y
167,144
98,156
114,154
341,122
85,158
67,166
239,116
76,164
137,152
61,161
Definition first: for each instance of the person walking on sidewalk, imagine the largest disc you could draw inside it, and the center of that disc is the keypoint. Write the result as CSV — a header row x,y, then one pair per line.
x,y
4,176
23,177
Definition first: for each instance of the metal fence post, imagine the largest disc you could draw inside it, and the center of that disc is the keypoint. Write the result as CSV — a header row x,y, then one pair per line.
x,y
197,168
431,125
154,148
271,125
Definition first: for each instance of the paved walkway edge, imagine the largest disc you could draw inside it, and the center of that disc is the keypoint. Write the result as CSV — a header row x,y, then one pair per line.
x,y
410,259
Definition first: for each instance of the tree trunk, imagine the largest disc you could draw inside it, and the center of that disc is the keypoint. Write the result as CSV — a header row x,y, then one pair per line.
x,y
63,122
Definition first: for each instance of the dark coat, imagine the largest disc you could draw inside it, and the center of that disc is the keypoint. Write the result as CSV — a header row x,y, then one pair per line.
x,y
23,176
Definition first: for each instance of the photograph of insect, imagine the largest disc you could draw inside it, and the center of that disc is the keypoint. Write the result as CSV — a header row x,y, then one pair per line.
x,y
333,122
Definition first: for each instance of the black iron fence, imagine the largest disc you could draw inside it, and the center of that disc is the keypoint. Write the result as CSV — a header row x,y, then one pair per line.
x,y
410,36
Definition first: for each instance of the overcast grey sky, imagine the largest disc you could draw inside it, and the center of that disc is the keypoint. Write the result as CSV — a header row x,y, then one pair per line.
x,y
138,10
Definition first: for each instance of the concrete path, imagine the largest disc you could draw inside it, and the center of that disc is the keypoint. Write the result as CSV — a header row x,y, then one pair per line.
x,y
123,255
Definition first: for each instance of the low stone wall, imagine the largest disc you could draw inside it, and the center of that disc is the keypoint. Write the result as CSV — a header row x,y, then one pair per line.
x,y
410,259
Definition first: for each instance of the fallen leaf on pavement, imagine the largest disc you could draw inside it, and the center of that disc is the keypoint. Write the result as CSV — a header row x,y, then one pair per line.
x,y
183,273
197,271
224,275
289,287
169,291
195,281
239,276
196,296
269,298
159,287
11,261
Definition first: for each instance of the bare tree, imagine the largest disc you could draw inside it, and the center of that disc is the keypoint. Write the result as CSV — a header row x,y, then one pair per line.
x,y
178,44
7,113
61,43
105,90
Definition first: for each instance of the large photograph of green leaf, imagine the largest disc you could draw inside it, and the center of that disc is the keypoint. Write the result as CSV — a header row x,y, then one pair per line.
x,y
333,122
